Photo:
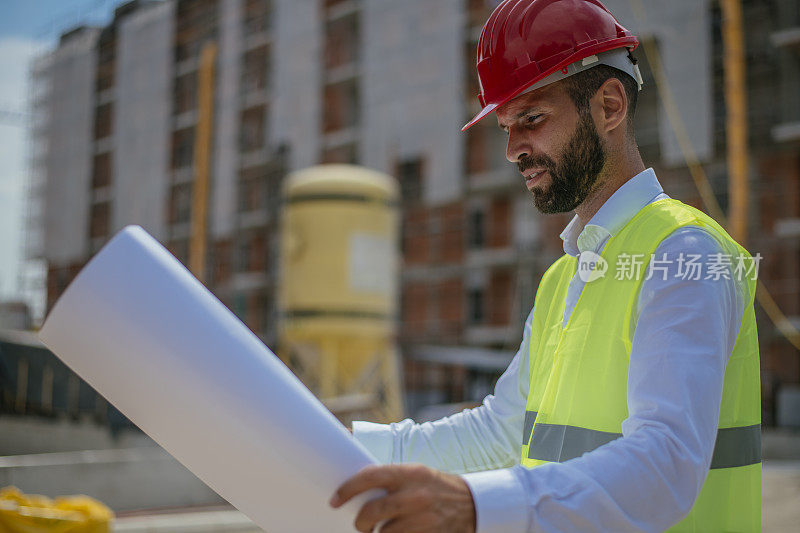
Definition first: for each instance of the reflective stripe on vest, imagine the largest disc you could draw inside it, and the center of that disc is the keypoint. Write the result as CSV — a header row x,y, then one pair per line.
x,y
577,399
739,446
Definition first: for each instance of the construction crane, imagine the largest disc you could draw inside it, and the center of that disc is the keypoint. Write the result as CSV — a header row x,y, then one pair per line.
x,y
202,158
736,120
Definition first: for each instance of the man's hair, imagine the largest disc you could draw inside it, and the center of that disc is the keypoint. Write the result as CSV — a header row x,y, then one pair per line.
x,y
582,86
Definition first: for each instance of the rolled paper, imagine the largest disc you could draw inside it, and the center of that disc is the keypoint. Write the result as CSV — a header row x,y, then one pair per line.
x,y
147,335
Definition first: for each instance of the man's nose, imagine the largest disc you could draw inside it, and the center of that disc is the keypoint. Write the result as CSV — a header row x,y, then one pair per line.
x,y
517,148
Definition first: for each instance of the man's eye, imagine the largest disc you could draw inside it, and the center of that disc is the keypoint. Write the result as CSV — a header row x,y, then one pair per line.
x,y
532,118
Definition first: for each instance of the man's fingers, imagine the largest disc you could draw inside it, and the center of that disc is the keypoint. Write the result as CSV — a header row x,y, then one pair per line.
x,y
412,524
369,477
392,506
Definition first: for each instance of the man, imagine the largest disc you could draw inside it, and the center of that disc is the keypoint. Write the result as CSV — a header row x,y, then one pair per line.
x,y
633,403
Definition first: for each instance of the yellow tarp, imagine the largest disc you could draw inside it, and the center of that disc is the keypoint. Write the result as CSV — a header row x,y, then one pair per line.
x,y
24,513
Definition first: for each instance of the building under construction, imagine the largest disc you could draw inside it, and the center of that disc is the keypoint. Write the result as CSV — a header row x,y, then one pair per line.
x,y
184,116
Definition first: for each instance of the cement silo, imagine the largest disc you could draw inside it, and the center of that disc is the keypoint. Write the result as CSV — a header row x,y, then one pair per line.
x,y
339,287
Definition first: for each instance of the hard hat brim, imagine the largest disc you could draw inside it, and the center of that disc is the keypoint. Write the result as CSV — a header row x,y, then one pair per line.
x,y
485,111
616,57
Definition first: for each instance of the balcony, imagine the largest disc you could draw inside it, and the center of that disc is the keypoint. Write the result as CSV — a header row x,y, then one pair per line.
x,y
257,39
494,335
103,145
340,137
186,66
183,174
254,97
786,132
469,356
788,39
254,158
187,119
106,96
491,257
101,194
341,9
253,219
180,231
787,228
342,73
248,281
499,179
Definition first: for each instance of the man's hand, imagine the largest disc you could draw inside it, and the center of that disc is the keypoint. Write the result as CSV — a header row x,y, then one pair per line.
x,y
418,499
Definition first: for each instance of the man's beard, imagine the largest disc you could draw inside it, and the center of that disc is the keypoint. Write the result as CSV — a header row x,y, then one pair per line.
x,y
576,174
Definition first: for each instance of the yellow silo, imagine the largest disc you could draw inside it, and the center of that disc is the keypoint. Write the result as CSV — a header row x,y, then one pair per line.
x,y
338,291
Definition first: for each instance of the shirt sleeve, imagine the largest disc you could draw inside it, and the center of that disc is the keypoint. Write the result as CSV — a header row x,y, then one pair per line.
x,y
648,479
484,438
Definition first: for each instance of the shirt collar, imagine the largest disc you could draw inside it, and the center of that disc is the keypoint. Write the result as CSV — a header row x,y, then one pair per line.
x,y
621,206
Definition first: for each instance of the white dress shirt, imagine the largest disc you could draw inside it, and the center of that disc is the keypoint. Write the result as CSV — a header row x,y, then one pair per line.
x,y
647,480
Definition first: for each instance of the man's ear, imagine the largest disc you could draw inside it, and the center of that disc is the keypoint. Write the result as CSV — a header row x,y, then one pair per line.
x,y
612,103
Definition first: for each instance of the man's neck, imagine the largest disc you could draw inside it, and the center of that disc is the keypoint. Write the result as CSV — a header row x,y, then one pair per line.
x,y
615,173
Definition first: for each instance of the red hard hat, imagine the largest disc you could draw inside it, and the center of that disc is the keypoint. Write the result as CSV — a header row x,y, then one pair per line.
x,y
524,41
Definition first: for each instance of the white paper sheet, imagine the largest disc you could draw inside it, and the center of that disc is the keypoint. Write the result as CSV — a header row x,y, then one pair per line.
x,y
139,328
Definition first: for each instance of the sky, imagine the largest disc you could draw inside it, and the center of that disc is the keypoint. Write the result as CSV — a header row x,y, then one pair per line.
x,y
27,28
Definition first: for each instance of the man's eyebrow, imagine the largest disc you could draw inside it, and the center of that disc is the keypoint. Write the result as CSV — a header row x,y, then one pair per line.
x,y
519,115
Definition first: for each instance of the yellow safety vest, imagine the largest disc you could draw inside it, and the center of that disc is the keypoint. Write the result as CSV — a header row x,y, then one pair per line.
x,y
578,374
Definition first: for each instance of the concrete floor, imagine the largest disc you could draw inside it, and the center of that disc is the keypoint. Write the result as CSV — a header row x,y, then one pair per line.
x,y
780,496
203,521
780,511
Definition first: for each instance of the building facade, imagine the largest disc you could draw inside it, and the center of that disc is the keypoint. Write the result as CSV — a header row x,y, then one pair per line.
x,y
387,85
